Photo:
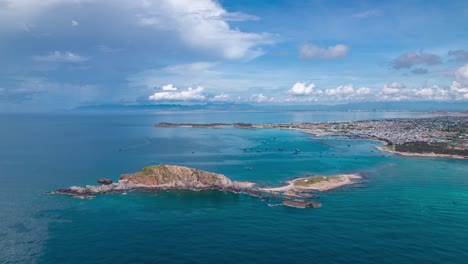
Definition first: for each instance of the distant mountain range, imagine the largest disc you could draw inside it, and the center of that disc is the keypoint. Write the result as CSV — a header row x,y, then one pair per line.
x,y
362,106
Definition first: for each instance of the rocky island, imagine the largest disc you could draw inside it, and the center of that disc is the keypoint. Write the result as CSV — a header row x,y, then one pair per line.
x,y
298,193
160,177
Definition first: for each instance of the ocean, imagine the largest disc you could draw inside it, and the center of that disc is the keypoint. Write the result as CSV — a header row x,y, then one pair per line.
x,y
405,210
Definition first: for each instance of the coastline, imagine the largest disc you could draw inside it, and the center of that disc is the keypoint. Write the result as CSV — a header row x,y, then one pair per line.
x,y
323,129
414,154
328,183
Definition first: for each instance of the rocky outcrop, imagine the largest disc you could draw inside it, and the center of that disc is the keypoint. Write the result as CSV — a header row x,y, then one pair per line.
x,y
178,177
104,181
171,177
161,177
301,204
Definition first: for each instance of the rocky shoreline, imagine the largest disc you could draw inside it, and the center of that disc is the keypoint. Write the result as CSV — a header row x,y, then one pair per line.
x,y
172,177
160,177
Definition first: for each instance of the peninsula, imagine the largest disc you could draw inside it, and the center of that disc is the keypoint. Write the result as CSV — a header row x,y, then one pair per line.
x,y
298,193
438,136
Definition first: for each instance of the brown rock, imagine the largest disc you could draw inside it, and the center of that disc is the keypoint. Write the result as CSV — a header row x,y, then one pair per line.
x,y
105,181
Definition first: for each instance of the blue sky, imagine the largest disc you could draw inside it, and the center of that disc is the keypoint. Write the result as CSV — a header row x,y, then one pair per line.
x,y
60,54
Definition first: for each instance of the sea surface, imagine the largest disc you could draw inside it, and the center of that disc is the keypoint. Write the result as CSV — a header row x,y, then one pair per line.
x,y
406,210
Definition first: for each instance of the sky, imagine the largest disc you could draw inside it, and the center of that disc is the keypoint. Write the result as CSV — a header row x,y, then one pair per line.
x,y
62,54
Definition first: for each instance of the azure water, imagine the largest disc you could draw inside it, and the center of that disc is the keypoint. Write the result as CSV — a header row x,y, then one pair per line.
x,y
406,210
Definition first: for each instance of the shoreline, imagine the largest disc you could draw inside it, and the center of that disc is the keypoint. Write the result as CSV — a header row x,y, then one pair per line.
x,y
414,154
328,183
435,130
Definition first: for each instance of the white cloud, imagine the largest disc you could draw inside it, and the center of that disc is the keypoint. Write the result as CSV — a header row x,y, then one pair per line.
x,y
458,88
461,74
392,88
345,93
202,24
333,52
340,90
301,89
58,56
363,91
75,23
432,93
221,98
260,98
169,87
173,94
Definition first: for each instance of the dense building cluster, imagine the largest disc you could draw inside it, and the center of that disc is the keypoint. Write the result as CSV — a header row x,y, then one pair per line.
x,y
452,130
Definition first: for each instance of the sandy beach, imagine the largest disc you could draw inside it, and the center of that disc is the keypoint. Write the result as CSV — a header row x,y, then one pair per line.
x,y
325,184
413,154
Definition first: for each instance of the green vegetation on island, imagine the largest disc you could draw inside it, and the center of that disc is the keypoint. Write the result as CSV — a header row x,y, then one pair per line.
x,y
312,180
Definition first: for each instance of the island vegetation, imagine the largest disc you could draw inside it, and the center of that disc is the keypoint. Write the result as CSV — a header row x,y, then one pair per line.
x,y
297,193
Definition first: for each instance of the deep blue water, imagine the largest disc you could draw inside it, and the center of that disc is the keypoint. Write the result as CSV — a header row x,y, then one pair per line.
x,y
403,212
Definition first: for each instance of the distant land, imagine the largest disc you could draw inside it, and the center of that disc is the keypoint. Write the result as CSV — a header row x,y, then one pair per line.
x,y
361,106
444,135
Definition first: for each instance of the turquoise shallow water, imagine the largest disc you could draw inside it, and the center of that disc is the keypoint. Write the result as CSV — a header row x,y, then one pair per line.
x,y
403,212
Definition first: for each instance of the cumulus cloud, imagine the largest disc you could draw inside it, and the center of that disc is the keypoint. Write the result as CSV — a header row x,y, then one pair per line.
x,y
409,59
458,55
432,93
260,98
220,98
170,93
301,89
309,51
202,24
169,87
392,88
363,91
340,90
58,56
461,74
345,93
75,23
459,91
